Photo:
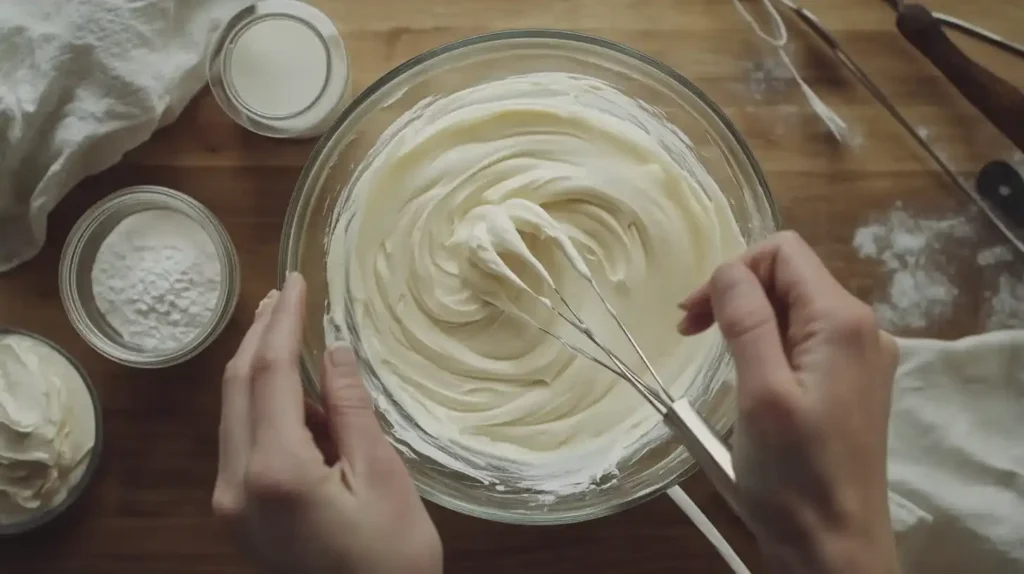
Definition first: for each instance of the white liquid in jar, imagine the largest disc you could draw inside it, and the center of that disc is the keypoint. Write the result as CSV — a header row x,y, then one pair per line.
x,y
278,67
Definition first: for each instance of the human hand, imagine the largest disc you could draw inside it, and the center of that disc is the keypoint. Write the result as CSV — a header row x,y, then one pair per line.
x,y
347,507
814,385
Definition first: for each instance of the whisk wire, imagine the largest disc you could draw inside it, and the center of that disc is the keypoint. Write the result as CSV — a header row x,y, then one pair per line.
x,y
632,341
620,370
704,445
658,398
623,371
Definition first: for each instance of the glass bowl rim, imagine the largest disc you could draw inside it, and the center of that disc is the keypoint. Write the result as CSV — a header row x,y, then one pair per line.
x,y
298,206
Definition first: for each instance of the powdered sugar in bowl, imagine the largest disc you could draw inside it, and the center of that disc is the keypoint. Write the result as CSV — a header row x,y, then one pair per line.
x,y
149,277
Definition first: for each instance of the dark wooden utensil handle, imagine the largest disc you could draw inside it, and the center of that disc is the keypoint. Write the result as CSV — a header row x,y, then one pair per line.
x,y
999,100
1002,185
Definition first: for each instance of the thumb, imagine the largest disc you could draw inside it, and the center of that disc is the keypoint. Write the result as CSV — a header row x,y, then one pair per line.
x,y
746,318
354,426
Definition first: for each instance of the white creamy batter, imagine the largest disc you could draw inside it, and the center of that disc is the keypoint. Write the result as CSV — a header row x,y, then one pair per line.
x,y
471,199
47,428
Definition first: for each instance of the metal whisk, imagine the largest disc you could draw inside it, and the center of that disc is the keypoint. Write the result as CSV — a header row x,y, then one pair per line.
x,y
491,225
704,445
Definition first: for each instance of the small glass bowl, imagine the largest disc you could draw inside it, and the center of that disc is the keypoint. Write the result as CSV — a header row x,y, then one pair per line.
x,y
79,255
312,120
86,474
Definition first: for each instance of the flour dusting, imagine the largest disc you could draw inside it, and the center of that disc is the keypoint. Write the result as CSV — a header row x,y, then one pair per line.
x,y
1006,304
995,255
769,76
919,256
1017,160
909,249
1006,300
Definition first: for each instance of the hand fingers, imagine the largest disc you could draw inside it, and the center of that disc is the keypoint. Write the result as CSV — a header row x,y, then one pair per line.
x,y
277,400
316,418
696,320
792,273
320,427
285,467
788,270
361,442
234,419
747,320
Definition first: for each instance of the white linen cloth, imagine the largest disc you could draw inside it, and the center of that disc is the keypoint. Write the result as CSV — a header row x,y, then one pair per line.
x,y
956,455
81,83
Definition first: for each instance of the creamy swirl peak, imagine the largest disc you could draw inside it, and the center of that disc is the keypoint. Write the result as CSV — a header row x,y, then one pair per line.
x,y
473,200
47,427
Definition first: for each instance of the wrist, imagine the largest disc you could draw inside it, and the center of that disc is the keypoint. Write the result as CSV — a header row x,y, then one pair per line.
x,y
834,552
850,554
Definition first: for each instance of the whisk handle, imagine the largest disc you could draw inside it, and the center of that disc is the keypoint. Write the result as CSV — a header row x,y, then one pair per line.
x,y
710,452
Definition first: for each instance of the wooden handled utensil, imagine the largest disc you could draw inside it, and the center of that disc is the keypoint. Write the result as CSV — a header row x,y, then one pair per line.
x,y
999,100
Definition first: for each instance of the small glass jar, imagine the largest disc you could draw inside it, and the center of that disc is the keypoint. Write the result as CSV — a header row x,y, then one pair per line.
x,y
280,69
79,256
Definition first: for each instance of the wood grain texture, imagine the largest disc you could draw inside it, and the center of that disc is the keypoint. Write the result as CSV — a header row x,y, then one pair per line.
x,y
148,511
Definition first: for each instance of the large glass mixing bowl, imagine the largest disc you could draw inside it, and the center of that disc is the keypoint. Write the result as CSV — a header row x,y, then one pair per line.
x,y
334,166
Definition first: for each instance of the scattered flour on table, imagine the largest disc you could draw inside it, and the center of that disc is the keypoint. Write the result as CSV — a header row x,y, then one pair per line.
x,y
778,38
940,151
1006,300
156,279
909,249
918,256
768,76
1017,159
770,82
995,255
1006,304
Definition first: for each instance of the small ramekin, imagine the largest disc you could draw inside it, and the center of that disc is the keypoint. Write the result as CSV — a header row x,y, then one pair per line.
x,y
79,255
87,475
314,119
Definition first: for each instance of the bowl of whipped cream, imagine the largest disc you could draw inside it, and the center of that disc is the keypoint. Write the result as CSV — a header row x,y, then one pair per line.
x,y
50,431
533,139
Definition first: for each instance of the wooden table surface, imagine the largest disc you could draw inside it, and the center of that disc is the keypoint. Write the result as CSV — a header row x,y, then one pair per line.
x,y
148,511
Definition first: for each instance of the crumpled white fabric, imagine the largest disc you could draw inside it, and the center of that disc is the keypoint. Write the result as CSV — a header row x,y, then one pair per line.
x,y
81,83
956,455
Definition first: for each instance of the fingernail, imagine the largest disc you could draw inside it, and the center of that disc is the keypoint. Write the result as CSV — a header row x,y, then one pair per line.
x,y
267,303
291,283
690,299
685,327
340,355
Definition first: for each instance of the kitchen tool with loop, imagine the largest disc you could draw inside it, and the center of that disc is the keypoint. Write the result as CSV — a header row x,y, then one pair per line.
x,y
707,449
812,22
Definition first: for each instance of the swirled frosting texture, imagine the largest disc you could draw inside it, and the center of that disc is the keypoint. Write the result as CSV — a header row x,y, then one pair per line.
x,y
47,428
472,200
